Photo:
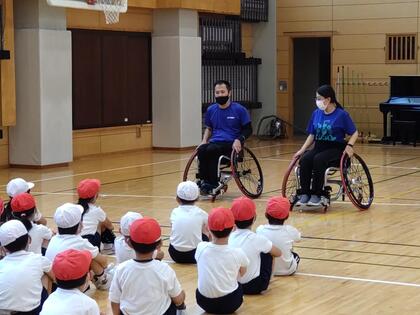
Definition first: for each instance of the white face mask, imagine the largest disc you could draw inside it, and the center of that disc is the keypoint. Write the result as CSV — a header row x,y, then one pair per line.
x,y
321,105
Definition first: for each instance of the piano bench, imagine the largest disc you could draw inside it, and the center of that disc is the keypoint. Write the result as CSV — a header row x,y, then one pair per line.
x,y
404,130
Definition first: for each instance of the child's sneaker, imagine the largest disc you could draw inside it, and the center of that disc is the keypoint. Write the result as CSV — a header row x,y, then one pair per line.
x,y
108,249
103,282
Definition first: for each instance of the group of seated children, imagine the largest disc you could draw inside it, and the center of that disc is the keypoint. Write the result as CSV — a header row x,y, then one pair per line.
x,y
231,259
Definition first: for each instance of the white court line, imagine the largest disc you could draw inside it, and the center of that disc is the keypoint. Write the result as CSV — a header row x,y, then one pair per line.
x,y
406,284
105,170
131,166
178,160
225,198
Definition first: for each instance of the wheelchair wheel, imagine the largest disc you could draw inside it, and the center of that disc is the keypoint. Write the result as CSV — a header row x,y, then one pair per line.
x,y
247,173
290,185
357,181
191,169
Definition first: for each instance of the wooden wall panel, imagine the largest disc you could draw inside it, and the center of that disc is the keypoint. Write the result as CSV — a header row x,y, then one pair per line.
x,y
214,6
108,140
304,26
302,3
373,26
359,56
378,2
358,31
354,42
372,11
247,38
303,14
7,70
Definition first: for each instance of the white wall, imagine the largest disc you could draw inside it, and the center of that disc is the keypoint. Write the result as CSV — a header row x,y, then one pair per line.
x,y
265,47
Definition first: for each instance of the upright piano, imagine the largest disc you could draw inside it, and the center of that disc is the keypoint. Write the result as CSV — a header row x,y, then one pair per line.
x,y
403,103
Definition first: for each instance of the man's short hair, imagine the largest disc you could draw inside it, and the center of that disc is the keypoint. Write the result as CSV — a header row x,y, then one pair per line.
x,y
220,82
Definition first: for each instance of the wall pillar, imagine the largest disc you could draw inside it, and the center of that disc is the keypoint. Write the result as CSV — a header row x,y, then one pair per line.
x,y
176,79
43,132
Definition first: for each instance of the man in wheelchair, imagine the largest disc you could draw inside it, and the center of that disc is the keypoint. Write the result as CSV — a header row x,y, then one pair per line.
x,y
228,125
328,126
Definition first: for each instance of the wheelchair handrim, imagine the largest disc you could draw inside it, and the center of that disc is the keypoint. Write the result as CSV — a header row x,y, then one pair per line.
x,y
347,187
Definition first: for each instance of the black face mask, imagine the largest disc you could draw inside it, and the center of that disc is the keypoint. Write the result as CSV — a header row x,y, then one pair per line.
x,y
222,100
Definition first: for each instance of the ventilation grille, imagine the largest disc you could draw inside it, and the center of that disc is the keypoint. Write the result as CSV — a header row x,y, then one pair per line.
x,y
401,48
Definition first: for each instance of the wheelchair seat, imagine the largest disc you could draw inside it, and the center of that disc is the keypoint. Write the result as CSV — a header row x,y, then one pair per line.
x,y
353,180
243,167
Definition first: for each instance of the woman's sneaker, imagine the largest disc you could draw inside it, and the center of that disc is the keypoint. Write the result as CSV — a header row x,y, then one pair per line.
x,y
302,200
314,201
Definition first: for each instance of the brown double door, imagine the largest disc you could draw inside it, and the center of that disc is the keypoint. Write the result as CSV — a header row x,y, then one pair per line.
x,y
111,78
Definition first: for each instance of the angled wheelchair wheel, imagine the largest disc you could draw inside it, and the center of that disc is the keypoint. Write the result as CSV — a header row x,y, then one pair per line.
x,y
357,181
290,185
191,169
246,171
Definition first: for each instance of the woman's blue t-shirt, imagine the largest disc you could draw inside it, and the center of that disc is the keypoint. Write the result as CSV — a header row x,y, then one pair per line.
x,y
227,123
331,127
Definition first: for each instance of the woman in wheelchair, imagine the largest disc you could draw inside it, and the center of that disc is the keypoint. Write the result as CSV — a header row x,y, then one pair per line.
x,y
228,124
328,127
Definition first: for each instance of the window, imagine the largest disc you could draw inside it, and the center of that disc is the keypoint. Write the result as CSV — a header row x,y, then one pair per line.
x,y
401,48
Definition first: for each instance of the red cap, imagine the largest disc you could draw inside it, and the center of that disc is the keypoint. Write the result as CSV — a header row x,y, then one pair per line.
x,y
145,231
22,202
71,264
88,188
278,207
221,219
243,209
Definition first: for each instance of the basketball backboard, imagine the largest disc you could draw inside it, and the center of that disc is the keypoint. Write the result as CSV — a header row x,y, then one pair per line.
x,y
111,8
82,4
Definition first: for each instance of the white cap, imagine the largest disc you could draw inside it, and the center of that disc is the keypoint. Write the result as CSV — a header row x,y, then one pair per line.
x,y
11,231
126,221
17,186
187,191
68,215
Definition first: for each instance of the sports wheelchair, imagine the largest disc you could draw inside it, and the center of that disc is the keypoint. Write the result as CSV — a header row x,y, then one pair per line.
x,y
350,177
243,167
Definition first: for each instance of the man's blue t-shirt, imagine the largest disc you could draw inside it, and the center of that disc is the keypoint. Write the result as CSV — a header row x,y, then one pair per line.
x,y
226,124
331,127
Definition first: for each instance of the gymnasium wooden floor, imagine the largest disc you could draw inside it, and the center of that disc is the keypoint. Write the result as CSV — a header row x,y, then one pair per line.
x,y
352,262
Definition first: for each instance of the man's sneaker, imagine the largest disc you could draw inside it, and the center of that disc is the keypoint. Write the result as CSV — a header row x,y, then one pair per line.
x,y
206,189
103,282
108,249
314,201
302,200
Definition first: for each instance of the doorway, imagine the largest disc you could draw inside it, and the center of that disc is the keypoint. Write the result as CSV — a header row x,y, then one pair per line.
x,y
311,69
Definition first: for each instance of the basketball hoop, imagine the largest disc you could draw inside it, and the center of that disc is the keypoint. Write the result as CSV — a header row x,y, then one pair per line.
x,y
111,9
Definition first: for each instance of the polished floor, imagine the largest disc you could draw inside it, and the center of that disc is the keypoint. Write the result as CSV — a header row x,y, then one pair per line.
x,y
353,262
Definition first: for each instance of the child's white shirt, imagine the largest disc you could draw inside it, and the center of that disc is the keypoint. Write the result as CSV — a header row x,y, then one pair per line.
x,y
91,219
282,237
20,280
218,268
144,288
69,302
187,226
253,245
60,243
38,234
